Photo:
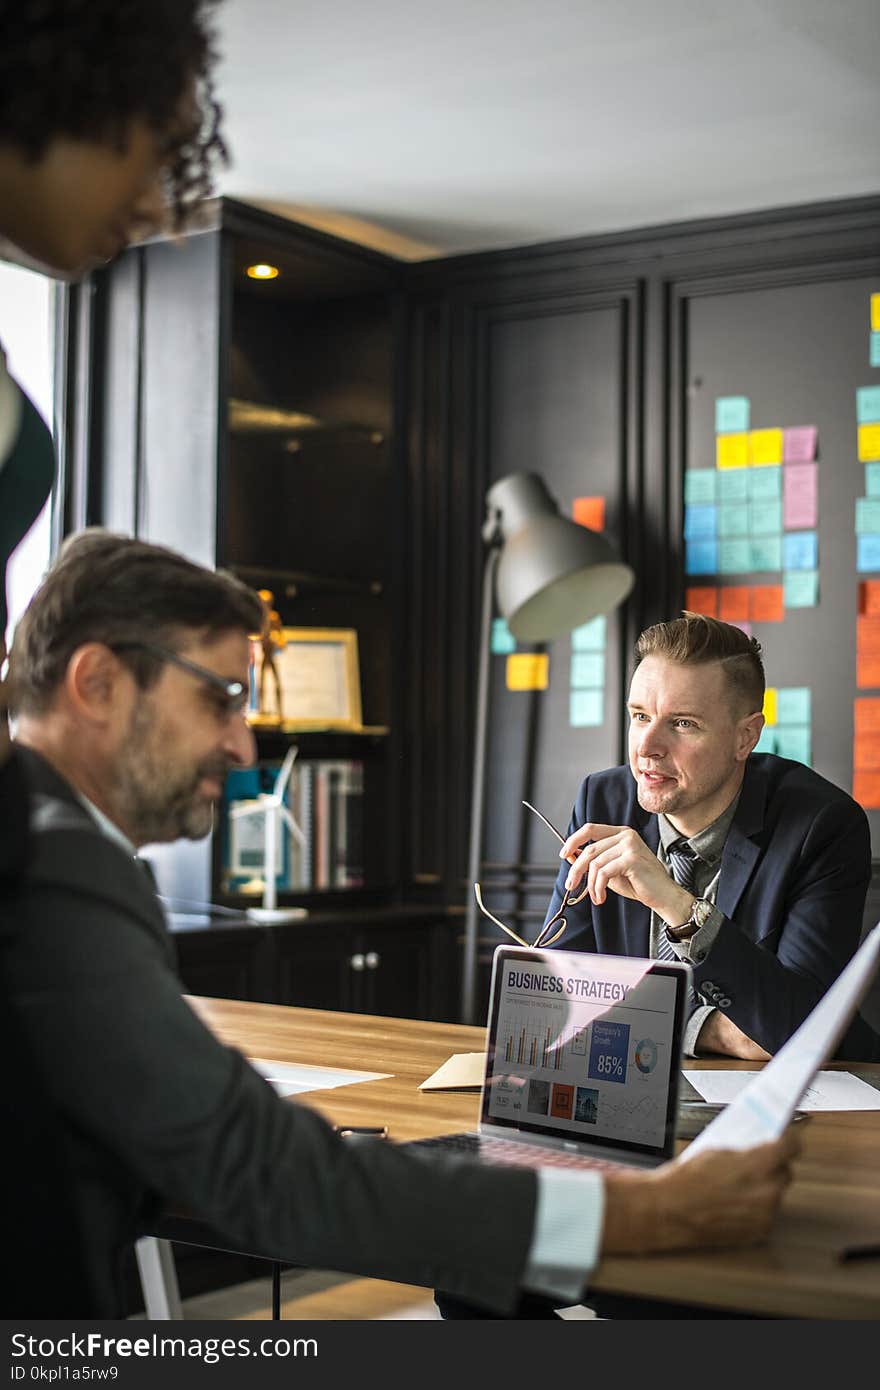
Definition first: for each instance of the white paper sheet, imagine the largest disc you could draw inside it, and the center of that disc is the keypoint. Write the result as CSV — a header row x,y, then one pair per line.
x,y
830,1090
292,1078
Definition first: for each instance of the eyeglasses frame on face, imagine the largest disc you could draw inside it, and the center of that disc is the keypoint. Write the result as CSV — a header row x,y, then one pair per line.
x,y
236,692
543,939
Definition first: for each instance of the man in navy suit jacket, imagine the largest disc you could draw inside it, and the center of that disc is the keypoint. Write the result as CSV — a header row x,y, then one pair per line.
x,y
780,858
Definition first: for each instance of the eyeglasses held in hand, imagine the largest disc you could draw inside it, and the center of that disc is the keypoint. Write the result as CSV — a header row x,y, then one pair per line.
x,y
546,936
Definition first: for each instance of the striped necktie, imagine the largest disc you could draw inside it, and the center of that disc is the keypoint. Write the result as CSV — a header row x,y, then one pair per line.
x,y
683,867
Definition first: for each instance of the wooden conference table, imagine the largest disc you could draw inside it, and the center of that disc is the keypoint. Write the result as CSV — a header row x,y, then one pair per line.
x,y
833,1203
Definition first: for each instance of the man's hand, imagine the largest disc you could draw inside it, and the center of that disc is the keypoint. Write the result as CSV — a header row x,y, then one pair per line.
x,y
721,1197
720,1034
619,859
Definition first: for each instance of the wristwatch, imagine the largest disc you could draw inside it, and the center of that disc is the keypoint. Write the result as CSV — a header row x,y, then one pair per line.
x,y
700,913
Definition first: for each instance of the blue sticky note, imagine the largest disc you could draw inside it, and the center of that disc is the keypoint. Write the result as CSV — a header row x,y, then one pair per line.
x,y
587,709
701,557
731,414
699,486
794,742
767,742
868,554
733,484
766,553
868,516
872,477
733,519
503,640
765,484
800,550
590,637
734,557
700,523
765,518
587,670
874,350
800,588
868,405
793,705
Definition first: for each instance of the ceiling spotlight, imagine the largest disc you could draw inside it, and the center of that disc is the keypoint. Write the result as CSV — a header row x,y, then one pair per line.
x,y
262,271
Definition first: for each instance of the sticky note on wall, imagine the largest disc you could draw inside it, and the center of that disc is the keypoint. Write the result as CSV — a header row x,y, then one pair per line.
x,y
587,670
868,405
875,312
866,789
702,600
587,708
503,640
793,704
768,605
528,671
799,443
770,705
765,446
589,512
731,414
735,604
590,637
731,450
869,443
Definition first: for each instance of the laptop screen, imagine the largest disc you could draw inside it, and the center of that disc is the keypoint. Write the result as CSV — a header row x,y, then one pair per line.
x,y
585,1047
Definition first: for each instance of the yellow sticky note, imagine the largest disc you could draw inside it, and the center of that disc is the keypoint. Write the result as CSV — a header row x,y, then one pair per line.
x,y
765,446
528,671
731,450
869,443
875,312
770,704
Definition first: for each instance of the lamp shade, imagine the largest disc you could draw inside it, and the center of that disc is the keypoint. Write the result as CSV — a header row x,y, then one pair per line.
x,y
553,574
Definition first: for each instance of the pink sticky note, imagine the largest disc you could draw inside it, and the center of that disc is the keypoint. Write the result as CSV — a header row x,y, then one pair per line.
x,y
799,444
800,496
744,627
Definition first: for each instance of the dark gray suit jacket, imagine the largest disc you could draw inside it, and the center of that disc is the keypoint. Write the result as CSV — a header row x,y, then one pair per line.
x,y
794,875
148,1109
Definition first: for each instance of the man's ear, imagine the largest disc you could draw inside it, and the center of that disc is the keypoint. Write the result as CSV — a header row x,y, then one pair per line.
x,y
95,682
748,734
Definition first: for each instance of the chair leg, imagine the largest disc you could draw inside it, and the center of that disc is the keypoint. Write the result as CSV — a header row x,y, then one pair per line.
x,y
155,1260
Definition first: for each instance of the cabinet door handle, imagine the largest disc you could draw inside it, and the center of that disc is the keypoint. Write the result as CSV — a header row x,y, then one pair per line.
x,y
373,960
357,961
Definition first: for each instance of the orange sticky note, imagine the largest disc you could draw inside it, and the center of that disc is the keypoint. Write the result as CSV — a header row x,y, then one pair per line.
x,y
869,443
765,447
867,671
868,636
867,713
734,604
528,671
703,601
866,753
768,603
869,598
731,450
589,512
866,789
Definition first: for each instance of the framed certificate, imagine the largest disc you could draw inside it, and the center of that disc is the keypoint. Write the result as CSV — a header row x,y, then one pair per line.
x,y
319,678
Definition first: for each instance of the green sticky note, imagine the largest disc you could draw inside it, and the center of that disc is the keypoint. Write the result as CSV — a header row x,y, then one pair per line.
x,y
793,705
874,350
868,405
766,553
590,637
872,475
503,640
587,709
733,484
767,742
765,484
731,414
699,486
801,588
794,742
867,516
587,670
766,518
733,519
734,557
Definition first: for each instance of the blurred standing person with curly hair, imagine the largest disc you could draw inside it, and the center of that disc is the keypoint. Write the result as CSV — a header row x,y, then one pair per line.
x,y
108,130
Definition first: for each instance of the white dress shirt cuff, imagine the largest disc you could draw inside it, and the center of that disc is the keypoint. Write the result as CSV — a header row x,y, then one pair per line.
x,y
568,1230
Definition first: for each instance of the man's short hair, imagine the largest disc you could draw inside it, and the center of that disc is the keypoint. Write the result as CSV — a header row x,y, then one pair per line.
x,y
695,640
111,589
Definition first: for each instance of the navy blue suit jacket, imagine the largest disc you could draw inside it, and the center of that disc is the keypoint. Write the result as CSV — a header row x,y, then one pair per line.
x,y
794,876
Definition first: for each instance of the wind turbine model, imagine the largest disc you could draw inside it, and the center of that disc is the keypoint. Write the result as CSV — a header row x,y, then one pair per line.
x,y
270,805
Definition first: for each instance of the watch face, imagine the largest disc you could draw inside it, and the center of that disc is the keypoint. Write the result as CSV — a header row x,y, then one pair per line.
x,y
701,911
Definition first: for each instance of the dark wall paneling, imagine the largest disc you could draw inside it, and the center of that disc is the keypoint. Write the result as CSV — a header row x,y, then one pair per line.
x,y
796,345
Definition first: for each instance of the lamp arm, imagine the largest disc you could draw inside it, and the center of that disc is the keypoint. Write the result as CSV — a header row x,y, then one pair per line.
x,y
478,786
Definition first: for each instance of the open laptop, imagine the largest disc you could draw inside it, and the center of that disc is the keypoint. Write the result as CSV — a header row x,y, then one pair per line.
x,y
583,1061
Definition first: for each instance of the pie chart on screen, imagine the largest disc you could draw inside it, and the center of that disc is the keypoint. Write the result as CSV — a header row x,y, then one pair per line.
x,y
646,1054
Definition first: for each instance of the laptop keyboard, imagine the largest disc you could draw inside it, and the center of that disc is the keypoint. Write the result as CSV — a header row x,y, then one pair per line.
x,y
496,1150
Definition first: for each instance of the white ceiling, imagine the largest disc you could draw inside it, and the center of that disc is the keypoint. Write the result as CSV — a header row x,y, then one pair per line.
x,y
460,125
